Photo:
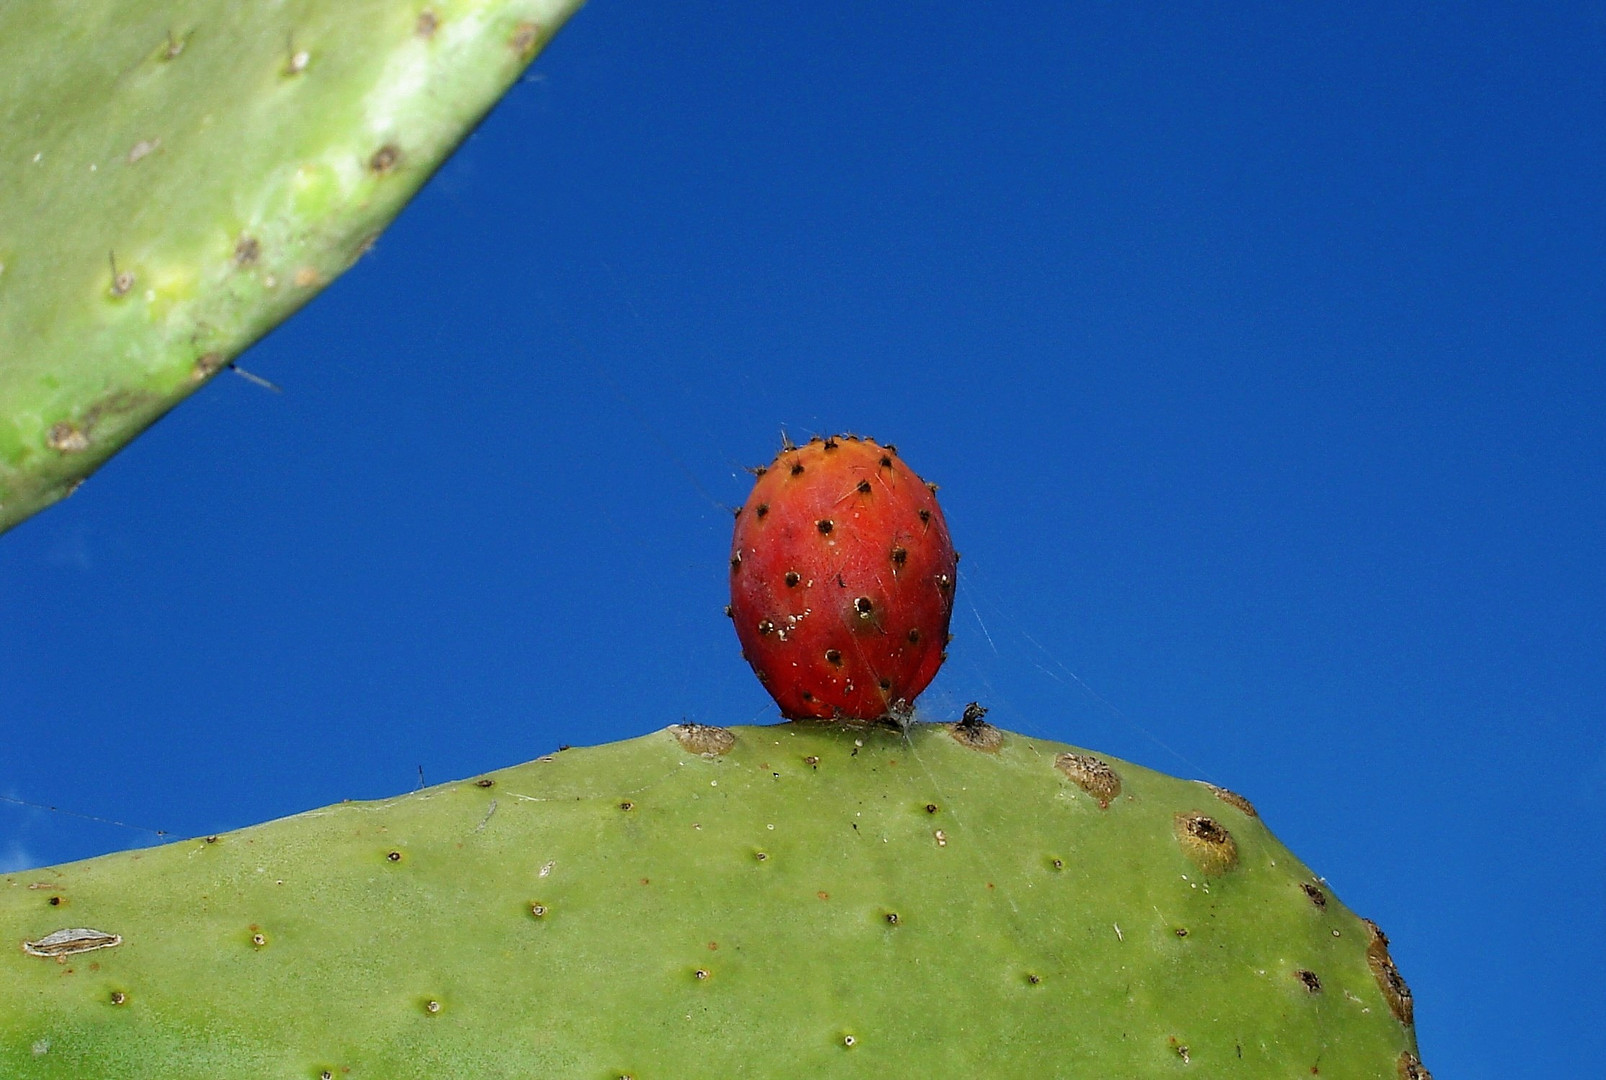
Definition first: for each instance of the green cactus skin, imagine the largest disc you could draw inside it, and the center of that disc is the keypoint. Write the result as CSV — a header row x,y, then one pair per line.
x,y
192,176
814,900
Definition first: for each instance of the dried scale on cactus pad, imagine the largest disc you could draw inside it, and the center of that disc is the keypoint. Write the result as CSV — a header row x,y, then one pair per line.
x,y
842,580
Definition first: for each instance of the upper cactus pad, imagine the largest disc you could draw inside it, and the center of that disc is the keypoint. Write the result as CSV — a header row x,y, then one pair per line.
x,y
802,900
178,177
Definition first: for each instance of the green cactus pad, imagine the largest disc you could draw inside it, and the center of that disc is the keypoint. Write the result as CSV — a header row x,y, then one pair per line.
x,y
193,175
767,902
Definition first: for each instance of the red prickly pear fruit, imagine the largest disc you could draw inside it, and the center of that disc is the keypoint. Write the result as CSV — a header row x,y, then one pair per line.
x,y
842,580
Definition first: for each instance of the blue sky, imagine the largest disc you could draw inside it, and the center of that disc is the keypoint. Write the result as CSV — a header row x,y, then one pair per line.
x,y
1258,353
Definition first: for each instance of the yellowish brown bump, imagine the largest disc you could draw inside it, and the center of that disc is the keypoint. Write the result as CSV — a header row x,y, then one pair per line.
x,y
526,36
66,438
1233,799
1410,1067
704,739
1093,775
1206,842
1389,979
206,366
972,730
384,159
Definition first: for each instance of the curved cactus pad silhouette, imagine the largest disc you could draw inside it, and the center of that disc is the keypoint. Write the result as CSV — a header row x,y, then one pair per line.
x,y
177,178
804,899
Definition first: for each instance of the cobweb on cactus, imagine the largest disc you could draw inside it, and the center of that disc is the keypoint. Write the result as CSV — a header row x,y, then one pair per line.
x,y
1002,658
976,593
999,658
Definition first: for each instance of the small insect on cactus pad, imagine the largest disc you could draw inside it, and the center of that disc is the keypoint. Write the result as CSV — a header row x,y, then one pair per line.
x,y
842,580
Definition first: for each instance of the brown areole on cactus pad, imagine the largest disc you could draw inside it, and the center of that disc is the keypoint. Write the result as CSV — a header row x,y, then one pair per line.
x,y
842,580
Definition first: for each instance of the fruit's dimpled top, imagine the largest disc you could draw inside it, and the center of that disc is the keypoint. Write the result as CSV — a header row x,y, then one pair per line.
x,y
842,580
